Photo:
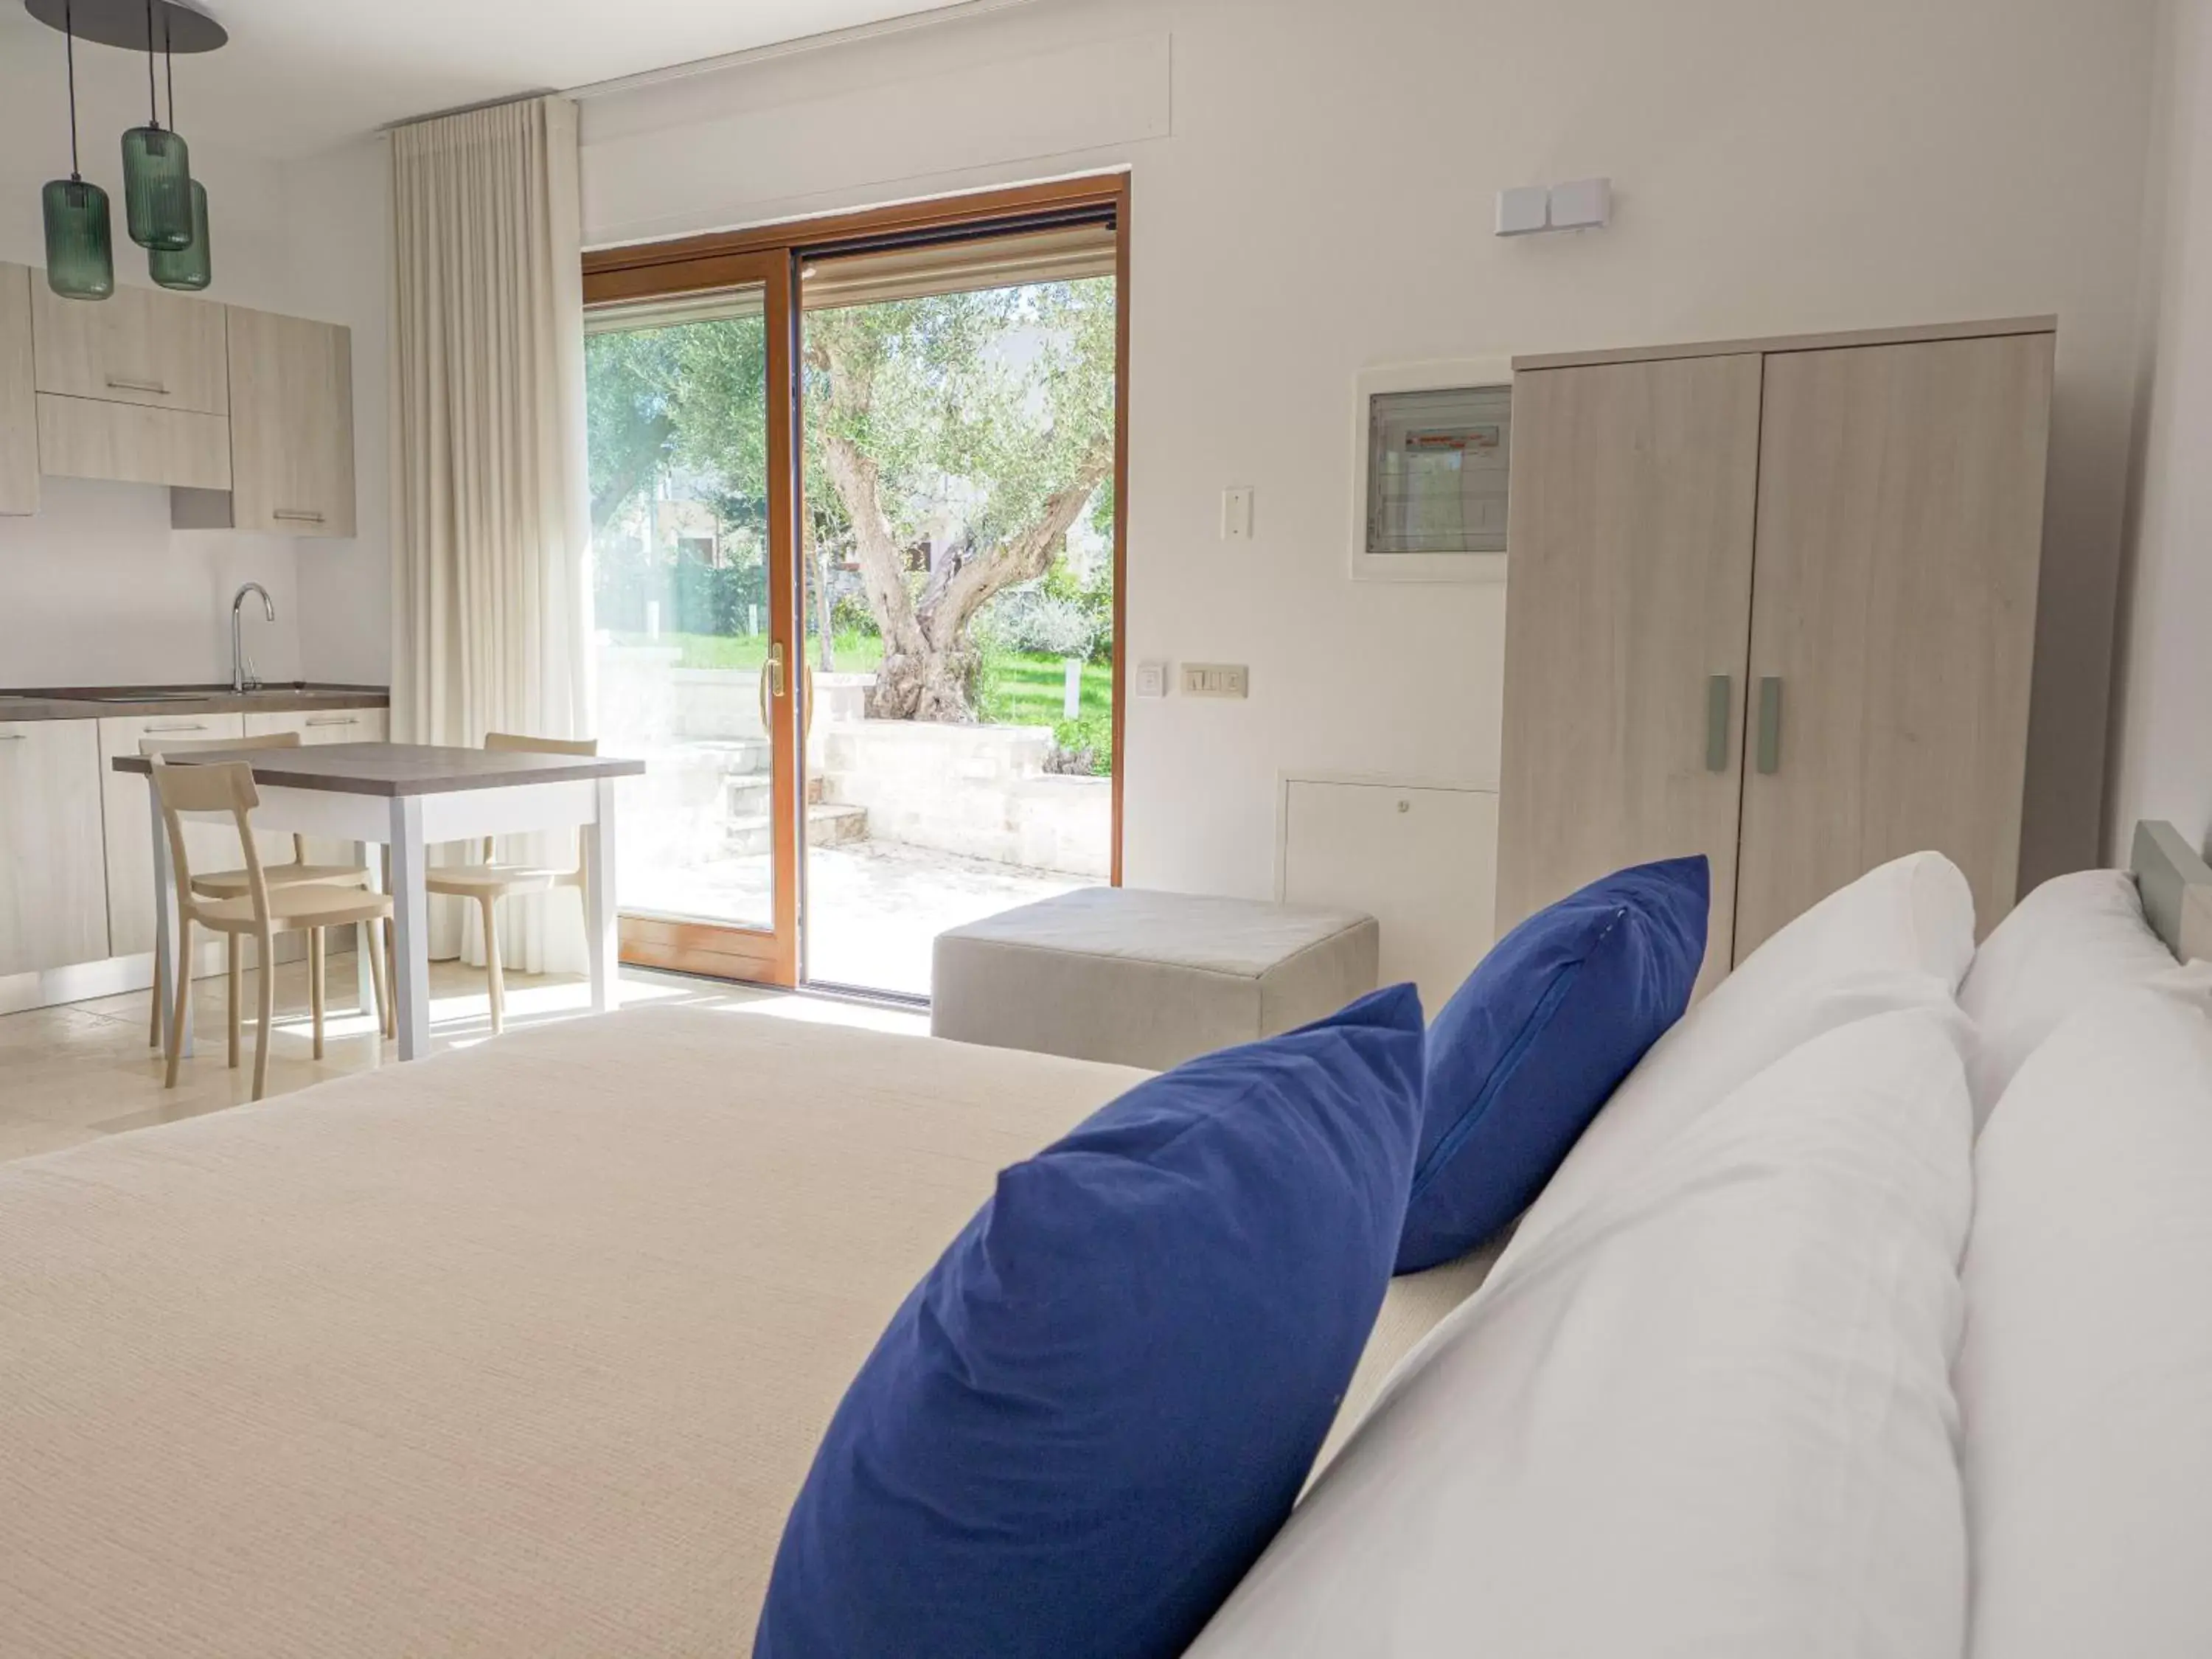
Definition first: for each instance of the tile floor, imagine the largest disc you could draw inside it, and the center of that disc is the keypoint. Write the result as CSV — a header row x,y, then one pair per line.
x,y
72,1073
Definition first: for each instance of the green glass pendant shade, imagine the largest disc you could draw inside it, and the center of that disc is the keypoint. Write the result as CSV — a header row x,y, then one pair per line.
x,y
80,255
157,188
189,268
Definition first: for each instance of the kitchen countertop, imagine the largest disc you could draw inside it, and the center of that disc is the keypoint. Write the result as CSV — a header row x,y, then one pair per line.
x,y
88,702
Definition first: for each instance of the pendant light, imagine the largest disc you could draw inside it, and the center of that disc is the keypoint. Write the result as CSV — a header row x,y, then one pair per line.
x,y
189,268
157,173
80,254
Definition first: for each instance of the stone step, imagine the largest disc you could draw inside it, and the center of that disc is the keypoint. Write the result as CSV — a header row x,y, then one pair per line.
x,y
748,795
830,825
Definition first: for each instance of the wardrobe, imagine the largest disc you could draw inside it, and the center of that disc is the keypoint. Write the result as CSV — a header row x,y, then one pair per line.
x,y
1774,602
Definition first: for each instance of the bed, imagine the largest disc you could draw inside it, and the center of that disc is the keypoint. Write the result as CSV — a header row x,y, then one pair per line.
x,y
521,1352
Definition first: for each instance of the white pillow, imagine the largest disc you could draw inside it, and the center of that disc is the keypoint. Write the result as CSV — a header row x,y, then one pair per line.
x,y
1711,1414
2085,1382
2071,938
1900,937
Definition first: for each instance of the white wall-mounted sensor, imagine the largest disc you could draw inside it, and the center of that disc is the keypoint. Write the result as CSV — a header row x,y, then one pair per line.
x,y
1582,204
1523,210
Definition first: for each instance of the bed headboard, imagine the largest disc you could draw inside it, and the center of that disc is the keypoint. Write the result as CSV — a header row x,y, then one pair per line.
x,y
2176,885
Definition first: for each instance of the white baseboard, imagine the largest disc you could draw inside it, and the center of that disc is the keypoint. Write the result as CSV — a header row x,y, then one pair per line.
x,y
50,988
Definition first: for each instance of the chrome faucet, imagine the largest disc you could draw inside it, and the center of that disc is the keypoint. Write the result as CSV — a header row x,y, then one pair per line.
x,y
240,680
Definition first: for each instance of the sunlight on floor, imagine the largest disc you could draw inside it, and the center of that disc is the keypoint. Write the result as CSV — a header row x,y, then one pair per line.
x,y
74,1073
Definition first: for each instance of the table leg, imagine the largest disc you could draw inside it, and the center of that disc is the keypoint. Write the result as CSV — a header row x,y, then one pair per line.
x,y
602,935
166,966
364,965
411,968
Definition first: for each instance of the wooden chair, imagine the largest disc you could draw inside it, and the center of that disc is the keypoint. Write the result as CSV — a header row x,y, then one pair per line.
x,y
262,911
487,883
232,884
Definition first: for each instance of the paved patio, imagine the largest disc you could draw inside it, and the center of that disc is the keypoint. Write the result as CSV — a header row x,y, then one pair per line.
x,y
874,908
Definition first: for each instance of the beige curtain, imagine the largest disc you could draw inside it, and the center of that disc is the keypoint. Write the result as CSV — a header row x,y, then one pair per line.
x,y
491,508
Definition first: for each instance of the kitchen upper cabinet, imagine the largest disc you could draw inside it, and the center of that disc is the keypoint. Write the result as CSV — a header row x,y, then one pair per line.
x,y
141,345
291,425
19,420
53,878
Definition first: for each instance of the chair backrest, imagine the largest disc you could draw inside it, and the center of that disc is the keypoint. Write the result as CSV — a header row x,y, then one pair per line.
x,y
211,786
515,741
509,740
204,745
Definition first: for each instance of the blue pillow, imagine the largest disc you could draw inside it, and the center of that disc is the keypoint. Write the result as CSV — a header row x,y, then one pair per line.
x,y
1528,1050
1091,1415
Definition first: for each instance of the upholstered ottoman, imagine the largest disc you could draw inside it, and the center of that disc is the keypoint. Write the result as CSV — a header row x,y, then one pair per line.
x,y
1146,979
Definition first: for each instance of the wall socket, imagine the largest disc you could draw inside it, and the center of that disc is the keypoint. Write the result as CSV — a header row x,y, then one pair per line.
x,y
1151,679
1216,679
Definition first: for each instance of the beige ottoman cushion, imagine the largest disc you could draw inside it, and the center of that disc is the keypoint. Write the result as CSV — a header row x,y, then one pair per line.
x,y
1146,979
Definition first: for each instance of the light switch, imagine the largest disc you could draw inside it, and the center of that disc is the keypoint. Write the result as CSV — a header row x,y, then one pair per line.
x,y
1151,679
1582,204
1237,514
1523,210
1216,679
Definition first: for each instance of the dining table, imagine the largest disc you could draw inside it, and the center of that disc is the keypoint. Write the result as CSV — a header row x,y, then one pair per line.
x,y
408,798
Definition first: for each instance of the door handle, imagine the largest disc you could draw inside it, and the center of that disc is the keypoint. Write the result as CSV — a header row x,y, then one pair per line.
x,y
1719,692
771,683
1770,724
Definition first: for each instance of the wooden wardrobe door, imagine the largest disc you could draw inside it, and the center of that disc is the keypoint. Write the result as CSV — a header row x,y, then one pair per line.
x,y
1629,555
1900,535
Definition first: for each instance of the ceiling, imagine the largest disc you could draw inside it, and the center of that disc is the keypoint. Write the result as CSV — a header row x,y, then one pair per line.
x,y
301,76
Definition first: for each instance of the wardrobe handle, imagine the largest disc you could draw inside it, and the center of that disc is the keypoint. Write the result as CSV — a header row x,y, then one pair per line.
x,y
122,383
1719,692
1770,724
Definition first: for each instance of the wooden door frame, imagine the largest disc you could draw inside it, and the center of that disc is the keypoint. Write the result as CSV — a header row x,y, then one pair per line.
x,y
732,950
729,259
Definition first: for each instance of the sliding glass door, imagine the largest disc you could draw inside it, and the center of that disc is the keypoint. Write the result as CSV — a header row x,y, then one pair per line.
x,y
689,426
894,643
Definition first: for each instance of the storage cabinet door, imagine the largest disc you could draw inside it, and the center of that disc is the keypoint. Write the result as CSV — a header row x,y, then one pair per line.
x,y
1628,603
292,427
54,886
322,726
141,345
1900,534
19,416
210,845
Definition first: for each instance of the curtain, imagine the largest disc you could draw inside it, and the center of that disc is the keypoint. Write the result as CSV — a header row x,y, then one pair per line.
x,y
490,504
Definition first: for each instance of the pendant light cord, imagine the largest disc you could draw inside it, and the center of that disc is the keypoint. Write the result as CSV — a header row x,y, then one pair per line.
x,y
153,101
169,67
68,33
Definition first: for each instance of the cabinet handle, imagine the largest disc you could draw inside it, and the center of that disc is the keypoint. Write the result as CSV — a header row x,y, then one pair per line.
x,y
334,719
297,515
117,382
156,731
1719,693
15,737
1770,724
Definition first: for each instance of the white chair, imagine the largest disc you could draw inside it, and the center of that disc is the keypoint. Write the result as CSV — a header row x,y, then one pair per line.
x,y
232,884
487,883
261,911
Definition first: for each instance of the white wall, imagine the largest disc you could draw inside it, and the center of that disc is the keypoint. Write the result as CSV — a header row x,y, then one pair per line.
x,y
1322,201
96,588
2163,717
1312,189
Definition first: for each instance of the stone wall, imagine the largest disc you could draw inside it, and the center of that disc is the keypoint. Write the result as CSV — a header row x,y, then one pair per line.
x,y
979,791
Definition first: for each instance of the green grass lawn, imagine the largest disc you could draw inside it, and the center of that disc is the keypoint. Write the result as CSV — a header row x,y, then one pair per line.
x,y
1030,690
